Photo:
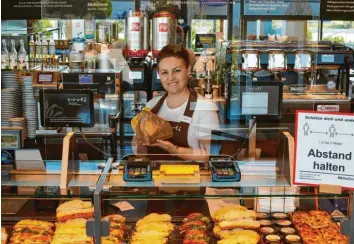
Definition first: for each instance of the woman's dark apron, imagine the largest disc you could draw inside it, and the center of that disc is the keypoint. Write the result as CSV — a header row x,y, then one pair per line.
x,y
180,139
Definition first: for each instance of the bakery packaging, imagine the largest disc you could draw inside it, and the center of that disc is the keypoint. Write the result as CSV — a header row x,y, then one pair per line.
x,y
149,127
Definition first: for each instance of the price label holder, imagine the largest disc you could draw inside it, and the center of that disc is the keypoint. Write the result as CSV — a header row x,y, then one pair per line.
x,y
224,170
137,169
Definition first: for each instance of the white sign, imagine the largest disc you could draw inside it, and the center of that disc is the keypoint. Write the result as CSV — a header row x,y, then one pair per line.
x,y
324,149
328,108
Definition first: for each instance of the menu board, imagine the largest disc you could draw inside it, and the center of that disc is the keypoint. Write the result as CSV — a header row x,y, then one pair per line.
x,y
20,9
337,9
282,7
324,151
59,9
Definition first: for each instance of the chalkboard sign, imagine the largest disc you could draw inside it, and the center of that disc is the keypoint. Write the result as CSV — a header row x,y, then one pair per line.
x,y
337,10
57,9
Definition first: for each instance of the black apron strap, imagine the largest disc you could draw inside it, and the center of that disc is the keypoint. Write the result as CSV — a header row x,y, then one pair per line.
x,y
158,105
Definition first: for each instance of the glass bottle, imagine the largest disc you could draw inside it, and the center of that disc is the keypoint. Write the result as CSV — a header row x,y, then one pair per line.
x,y
44,48
13,55
31,49
51,47
5,62
38,48
22,55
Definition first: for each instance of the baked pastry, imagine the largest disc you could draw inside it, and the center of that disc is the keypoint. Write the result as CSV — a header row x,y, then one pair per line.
x,y
151,241
32,231
74,209
154,217
117,229
116,218
195,224
153,228
197,216
241,237
242,223
71,231
317,227
159,226
234,213
4,235
111,240
34,223
149,127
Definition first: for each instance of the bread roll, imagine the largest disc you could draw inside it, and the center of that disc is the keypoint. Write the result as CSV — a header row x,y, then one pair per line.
x,y
234,213
33,223
159,226
244,223
154,217
116,218
241,237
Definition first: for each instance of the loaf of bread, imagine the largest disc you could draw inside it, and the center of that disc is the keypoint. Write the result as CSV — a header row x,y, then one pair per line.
x,y
4,235
149,127
75,209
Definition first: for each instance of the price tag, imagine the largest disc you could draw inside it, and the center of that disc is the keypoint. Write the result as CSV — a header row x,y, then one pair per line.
x,y
123,206
324,149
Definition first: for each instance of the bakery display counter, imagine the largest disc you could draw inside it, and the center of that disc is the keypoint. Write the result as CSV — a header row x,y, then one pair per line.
x,y
105,208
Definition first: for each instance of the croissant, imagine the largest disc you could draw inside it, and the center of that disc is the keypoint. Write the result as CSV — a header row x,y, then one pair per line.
x,y
149,127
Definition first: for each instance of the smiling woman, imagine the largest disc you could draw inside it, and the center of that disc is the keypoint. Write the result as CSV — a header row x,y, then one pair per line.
x,y
191,116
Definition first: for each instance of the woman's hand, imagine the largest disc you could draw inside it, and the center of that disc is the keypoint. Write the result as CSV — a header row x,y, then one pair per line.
x,y
166,145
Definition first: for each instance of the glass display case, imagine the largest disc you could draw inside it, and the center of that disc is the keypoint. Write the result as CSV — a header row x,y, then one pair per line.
x,y
243,192
180,189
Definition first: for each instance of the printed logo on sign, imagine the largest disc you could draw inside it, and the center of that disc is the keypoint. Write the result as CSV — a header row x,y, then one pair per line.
x,y
328,108
135,26
163,27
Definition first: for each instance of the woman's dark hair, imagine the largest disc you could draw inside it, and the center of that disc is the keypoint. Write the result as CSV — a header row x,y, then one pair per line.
x,y
176,51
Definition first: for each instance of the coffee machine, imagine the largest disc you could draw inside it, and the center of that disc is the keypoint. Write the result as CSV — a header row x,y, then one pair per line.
x,y
164,28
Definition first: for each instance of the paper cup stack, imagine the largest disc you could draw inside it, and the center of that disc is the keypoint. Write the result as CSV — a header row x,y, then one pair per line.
x,y
29,106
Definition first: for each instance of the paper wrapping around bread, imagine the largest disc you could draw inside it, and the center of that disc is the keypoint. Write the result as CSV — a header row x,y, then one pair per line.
x,y
149,127
4,235
75,209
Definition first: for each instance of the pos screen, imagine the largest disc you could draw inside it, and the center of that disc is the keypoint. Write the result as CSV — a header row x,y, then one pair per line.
x,y
262,100
67,108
